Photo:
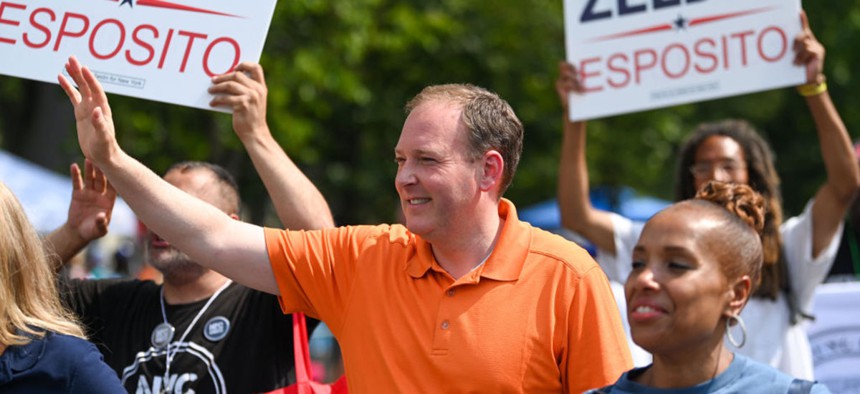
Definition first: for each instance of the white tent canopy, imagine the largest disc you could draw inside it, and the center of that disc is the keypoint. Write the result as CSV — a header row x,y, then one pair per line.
x,y
45,196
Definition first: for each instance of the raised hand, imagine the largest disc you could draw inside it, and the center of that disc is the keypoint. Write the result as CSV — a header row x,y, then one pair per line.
x,y
92,112
809,52
299,204
92,203
567,82
244,91
89,214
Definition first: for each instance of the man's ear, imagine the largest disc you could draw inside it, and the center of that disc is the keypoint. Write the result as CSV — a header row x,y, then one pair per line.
x,y
739,294
235,216
492,170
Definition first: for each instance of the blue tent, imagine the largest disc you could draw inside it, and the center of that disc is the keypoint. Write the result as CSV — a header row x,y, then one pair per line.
x,y
45,196
622,200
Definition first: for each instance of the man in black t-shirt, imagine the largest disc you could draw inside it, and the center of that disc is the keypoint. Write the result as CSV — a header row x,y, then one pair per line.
x,y
225,337
198,331
240,344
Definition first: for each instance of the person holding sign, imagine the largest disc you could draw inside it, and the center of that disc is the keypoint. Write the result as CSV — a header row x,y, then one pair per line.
x,y
694,268
198,331
465,297
797,252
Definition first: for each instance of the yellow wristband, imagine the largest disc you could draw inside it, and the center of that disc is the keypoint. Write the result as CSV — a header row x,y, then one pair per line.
x,y
812,89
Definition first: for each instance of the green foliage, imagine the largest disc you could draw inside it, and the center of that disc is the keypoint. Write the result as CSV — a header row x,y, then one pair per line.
x,y
340,72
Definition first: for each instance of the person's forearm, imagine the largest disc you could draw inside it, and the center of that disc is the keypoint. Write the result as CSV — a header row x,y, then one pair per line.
x,y
843,175
210,237
299,204
166,210
62,244
577,213
573,181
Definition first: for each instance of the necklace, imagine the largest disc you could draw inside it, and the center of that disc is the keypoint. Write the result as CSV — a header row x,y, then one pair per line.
x,y
162,335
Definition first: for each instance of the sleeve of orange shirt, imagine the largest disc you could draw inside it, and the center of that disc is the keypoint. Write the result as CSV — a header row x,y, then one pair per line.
x,y
315,269
597,352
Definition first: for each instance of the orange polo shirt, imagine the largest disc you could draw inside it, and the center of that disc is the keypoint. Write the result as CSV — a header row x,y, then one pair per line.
x,y
537,316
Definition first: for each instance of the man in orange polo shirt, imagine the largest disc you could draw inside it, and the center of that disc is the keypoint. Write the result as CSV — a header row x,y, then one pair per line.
x,y
465,297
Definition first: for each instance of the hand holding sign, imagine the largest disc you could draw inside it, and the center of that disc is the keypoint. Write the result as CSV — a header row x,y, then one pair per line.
x,y
567,83
809,52
658,54
244,91
92,113
157,50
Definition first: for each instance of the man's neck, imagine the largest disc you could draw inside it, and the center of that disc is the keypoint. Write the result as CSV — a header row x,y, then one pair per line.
x,y
192,291
459,254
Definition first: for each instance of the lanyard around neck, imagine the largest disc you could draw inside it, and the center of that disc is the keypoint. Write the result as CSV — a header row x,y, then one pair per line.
x,y
173,347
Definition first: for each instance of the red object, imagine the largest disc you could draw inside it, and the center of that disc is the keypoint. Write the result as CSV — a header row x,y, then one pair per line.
x,y
304,383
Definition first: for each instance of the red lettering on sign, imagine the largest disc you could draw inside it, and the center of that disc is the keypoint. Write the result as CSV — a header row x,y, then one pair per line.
x,y
44,29
701,54
165,49
118,44
111,38
3,5
638,66
135,36
742,38
665,57
676,61
783,44
618,69
237,54
63,32
191,37
585,75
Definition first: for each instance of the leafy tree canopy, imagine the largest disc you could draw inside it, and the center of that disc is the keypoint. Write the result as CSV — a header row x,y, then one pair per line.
x,y
340,72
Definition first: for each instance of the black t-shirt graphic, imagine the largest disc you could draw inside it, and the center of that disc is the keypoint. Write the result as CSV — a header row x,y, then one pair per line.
x,y
242,343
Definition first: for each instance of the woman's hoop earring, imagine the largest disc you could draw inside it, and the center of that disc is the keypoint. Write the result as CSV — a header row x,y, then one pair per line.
x,y
743,327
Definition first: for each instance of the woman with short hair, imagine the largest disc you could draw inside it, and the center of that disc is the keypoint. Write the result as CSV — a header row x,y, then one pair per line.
x,y
694,268
798,252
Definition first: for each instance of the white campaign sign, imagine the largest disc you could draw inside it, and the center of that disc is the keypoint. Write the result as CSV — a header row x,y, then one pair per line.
x,y
164,50
835,336
634,55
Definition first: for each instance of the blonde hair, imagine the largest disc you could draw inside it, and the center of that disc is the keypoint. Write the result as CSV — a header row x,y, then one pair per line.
x,y
29,303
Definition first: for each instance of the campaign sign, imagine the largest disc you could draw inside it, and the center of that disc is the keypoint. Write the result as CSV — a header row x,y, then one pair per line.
x,y
634,55
835,336
164,50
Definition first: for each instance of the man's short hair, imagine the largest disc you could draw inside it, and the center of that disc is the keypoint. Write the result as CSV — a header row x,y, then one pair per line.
x,y
228,188
490,120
